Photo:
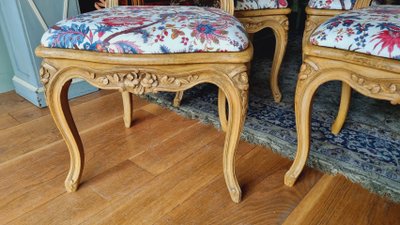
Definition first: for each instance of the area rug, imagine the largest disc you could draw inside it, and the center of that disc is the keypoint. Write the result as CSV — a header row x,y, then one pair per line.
x,y
367,150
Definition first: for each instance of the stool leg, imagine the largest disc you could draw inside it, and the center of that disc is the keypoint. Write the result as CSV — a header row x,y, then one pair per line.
x,y
57,100
127,102
343,108
303,104
281,37
237,97
222,109
178,99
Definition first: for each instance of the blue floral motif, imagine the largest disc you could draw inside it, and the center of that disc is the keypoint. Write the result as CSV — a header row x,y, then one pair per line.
x,y
68,36
150,30
373,30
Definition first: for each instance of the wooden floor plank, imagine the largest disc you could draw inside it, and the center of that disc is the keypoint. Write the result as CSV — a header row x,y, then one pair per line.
x,y
42,131
165,169
171,188
91,198
336,200
7,121
25,180
45,171
31,112
173,150
265,201
10,102
103,151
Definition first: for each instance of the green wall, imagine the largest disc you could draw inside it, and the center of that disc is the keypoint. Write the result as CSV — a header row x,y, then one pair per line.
x,y
6,71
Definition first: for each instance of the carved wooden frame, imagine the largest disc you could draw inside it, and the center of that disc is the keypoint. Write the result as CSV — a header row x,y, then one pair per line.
x,y
373,76
147,73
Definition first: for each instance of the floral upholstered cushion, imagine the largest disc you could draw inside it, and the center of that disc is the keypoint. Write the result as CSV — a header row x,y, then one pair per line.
x,y
332,4
260,4
374,30
150,30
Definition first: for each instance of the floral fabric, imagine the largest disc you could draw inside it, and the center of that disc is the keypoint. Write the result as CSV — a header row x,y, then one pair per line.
x,y
374,31
332,4
260,4
150,30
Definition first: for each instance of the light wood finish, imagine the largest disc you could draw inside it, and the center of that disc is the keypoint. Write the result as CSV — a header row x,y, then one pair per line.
x,y
222,113
343,109
373,76
277,20
331,201
172,178
254,21
127,101
149,73
178,98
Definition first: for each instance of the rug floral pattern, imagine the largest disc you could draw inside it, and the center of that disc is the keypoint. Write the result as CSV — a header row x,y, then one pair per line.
x,y
367,150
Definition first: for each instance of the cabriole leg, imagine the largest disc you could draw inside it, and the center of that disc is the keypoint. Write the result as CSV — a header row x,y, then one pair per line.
x,y
222,109
237,102
127,102
281,37
57,101
343,108
178,98
303,104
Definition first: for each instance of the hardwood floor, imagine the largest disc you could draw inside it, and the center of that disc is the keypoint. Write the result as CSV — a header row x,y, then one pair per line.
x,y
165,169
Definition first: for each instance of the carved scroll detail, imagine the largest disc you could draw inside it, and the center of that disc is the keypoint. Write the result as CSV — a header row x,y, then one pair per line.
x,y
310,25
242,83
307,69
46,72
253,26
178,82
44,75
285,24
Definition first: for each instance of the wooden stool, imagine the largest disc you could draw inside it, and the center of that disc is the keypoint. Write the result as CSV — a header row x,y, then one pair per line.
x,y
147,49
359,48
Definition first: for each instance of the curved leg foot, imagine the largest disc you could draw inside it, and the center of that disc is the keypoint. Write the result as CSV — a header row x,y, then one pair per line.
x,y
178,99
222,110
303,104
127,102
343,109
281,36
57,101
237,101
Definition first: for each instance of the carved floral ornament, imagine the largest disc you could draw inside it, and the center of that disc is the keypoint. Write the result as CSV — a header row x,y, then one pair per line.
x,y
44,75
306,69
140,82
143,81
136,81
378,87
